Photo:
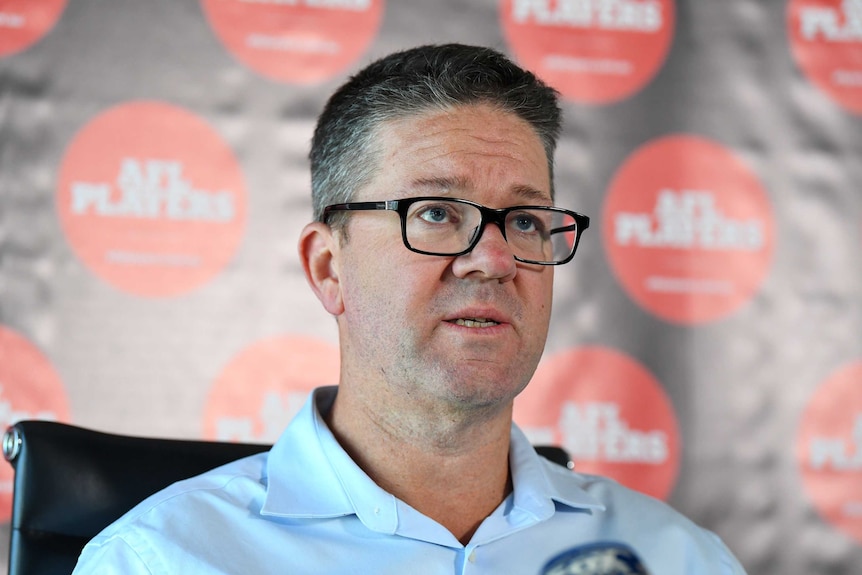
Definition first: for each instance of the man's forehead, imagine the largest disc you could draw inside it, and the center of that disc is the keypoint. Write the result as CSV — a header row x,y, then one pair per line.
x,y
458,185
431,152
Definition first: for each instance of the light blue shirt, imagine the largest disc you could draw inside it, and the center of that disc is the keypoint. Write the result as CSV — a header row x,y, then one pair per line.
x,y
306,508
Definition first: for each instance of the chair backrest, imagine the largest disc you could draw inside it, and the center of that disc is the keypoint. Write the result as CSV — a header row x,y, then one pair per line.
x,y
71,482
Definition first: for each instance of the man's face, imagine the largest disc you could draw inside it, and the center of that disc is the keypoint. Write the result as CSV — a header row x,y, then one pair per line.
x,y
467,331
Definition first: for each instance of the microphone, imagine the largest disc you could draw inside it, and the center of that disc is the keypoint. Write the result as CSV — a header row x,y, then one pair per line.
x,y
602,558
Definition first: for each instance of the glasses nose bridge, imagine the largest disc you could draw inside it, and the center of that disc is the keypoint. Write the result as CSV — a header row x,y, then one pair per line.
x,y
490,216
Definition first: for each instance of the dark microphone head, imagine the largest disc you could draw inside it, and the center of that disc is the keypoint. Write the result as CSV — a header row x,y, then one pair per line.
x,y
602,558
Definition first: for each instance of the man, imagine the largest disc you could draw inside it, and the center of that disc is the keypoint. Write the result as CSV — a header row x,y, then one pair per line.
x,y
434,248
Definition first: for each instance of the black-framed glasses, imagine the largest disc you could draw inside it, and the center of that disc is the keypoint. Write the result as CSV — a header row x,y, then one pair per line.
x,y
439,226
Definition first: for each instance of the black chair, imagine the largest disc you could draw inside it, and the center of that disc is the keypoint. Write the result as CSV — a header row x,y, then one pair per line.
x,y
71,482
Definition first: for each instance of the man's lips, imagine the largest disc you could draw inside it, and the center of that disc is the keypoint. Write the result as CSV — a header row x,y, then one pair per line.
x,y
473,322
484,318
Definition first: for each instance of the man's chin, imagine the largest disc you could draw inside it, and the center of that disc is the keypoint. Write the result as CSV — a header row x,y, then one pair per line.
x,y
482,393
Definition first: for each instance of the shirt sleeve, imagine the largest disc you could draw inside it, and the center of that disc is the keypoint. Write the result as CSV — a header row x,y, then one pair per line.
x,y
112,556
732,565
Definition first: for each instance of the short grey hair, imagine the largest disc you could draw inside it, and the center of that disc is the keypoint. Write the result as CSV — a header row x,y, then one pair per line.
x,y
343,155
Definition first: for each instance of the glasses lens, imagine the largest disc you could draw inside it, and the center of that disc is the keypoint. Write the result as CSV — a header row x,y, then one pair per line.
x,y
444,227
541,235
441,227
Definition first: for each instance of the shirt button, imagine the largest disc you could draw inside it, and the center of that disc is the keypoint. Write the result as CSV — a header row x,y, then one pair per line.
x,y
472,557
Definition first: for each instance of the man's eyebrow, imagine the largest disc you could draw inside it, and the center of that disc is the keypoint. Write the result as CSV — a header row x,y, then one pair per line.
x,y
441,183
532,194
445,184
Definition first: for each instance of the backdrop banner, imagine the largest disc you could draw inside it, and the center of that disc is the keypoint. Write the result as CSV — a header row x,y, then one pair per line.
x,y
706,341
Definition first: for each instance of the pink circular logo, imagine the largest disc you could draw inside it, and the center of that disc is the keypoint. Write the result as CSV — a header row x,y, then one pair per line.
x,y
24,22
826,42
592,52
151,199
29,389
609,413
263,387
829,450
688,229
299,41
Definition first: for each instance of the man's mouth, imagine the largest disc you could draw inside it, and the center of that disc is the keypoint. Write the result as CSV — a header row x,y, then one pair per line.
x,y
474,322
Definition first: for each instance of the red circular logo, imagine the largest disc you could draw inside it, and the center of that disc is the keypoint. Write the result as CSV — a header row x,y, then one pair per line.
x,y
826,41
151,199
688,229
24,22
29,389
592,52
829,450
609,413
260,390
302,41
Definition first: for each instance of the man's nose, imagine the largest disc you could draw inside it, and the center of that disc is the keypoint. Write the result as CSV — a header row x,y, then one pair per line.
x,y
491,257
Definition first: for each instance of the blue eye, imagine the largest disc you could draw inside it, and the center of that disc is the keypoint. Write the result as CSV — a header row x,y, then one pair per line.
x,y
434,215
437,215
524,223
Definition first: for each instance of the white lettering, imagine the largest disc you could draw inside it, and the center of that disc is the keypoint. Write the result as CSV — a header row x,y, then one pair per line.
x,y
300,44
851,78
276,411
86,196
11,20
280,2
663,284
836,453
151,259
354,5
826,23
852,509
622,15
603,66
10,416
595,431
151,189
687,220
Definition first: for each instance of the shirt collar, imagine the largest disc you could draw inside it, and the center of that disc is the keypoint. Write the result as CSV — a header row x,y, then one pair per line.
x,y
539,484
337,486
309,475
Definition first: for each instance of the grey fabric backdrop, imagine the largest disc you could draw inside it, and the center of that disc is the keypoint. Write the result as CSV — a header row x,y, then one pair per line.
x,y
739,385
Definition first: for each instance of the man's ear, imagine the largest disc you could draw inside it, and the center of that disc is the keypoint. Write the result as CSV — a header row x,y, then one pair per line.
x,y
318,252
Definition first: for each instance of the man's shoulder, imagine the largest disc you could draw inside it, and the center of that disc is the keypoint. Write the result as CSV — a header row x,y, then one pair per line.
x,y
165,528
234,484
625,503
649,523
614,494
624,507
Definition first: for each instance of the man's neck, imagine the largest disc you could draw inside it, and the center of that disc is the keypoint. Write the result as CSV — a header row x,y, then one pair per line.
x,y
453,469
